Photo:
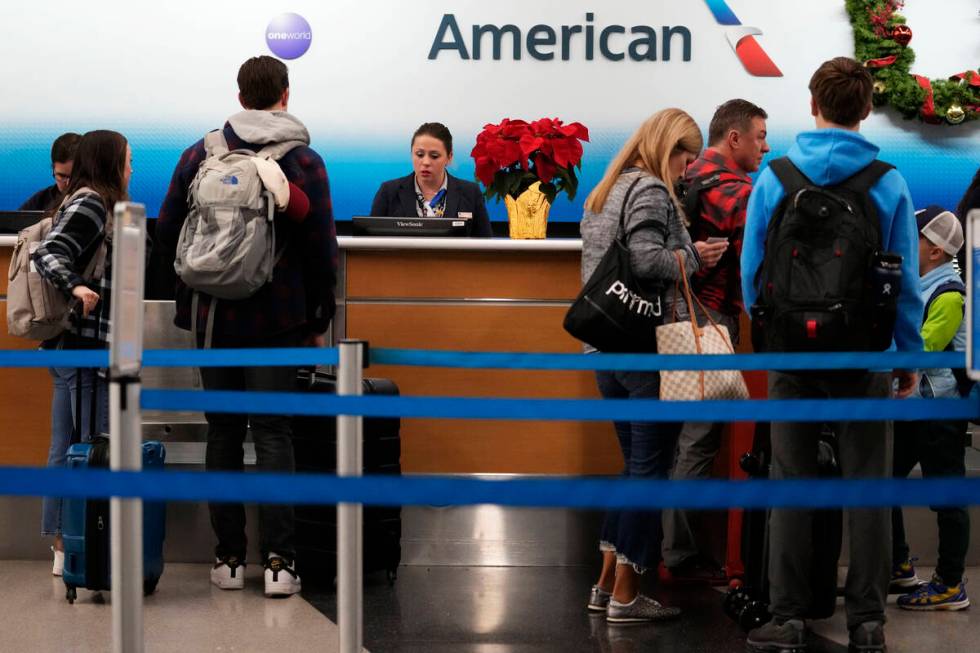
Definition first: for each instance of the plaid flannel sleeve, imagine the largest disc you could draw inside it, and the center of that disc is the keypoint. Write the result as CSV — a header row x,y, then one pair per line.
x,y
74,235
319,244
725,206
173,210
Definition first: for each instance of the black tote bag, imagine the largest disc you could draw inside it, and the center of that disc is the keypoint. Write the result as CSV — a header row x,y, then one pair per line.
x,y
616,311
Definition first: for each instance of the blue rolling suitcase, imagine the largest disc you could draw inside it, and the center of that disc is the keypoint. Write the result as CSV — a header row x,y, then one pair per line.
x,y
85,525
85,522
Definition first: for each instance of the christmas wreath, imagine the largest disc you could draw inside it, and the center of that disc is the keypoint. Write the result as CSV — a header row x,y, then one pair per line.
x,y
881,40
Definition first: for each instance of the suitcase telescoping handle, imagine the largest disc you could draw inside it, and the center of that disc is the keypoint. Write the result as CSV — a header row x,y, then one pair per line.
x,y
76,435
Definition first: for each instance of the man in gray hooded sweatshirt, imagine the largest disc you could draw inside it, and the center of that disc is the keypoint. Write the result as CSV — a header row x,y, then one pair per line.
x,y
293,309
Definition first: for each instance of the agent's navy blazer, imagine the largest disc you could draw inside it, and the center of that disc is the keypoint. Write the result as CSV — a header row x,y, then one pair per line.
x,y
397,199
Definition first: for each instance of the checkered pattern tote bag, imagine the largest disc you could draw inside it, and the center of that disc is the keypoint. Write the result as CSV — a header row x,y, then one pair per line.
x,y
686,337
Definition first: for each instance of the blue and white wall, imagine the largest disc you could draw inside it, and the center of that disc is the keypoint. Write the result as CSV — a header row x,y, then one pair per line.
x,y
164,73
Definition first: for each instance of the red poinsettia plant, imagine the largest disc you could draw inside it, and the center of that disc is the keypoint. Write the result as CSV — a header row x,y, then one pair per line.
x,y
512,156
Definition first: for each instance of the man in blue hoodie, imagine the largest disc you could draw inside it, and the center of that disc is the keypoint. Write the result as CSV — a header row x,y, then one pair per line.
x,y
841,98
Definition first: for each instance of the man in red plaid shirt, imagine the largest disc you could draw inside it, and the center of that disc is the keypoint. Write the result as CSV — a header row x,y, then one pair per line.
x,y
718,194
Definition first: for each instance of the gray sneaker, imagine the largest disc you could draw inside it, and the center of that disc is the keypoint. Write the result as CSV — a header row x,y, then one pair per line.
x,y
598,599
642,609
786,637
869,637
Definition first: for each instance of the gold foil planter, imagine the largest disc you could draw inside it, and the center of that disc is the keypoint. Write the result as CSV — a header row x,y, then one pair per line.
x,y
527,216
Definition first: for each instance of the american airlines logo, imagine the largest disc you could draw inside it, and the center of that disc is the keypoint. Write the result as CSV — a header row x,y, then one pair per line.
x,y
743,42
593,39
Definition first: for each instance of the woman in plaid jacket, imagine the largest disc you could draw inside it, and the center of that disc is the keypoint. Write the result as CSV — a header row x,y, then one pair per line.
x,y
100,178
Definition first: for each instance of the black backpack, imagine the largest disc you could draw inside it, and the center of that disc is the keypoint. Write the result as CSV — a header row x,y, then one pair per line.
x,y
814,284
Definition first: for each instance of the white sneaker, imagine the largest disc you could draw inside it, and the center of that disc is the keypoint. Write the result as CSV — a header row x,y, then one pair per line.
x,y
58,568
228,573
280,577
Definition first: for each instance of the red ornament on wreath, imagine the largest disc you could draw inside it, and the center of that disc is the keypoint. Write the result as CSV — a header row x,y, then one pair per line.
x,y
902,34
878,29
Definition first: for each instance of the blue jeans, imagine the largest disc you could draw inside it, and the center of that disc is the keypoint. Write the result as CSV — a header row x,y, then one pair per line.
x,y
648,451
63,425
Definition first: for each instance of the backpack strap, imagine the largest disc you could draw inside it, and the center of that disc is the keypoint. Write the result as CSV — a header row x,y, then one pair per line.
x,y
215,143
209,324
953,285
864,180
964,384
692,197
792,178
621,232
96,266
276,151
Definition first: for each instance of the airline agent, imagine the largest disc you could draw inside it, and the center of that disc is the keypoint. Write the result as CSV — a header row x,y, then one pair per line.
x,y
430,191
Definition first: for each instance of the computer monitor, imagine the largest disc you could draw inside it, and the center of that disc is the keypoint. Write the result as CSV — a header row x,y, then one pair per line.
x,y
418,227
11,222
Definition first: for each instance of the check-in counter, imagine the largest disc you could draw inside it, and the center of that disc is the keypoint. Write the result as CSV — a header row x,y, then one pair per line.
x,y
475,295
448,294
25,394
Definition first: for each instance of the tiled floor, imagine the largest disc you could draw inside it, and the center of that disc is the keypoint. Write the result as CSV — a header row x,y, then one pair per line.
x,y
429,609
542,609
525,610
186,614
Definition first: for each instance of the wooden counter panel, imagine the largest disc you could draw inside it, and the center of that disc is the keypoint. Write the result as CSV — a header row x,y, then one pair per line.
x,y
5,254
488,446
470,274
25,403
471,327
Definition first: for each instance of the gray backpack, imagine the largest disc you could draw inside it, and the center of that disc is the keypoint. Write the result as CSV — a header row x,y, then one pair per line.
x,y
36,308
227,246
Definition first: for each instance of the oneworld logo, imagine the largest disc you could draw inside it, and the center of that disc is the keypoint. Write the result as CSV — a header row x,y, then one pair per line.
x,y
288,36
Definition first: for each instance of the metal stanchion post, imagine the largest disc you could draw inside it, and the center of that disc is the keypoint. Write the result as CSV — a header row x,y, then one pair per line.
x,y
350,564
125,423
972,290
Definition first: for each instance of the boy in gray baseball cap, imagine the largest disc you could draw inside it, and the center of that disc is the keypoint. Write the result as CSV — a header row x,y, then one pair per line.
x,y
939,446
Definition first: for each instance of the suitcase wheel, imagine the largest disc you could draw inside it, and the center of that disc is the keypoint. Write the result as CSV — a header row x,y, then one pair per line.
x,y
150,586
754,615
735,600
71,594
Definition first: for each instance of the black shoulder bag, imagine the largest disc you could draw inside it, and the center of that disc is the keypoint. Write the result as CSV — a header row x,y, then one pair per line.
x,y
616,311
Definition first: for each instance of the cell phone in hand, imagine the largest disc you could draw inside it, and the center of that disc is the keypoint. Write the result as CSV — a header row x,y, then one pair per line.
x,y
717,239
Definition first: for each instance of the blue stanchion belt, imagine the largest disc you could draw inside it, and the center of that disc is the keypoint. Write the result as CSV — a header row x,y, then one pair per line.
x,y
551,492
653,362
493,360
649,410
457,491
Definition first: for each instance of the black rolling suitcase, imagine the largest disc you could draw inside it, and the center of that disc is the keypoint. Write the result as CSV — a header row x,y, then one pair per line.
x,y
749,603
85,522
315,446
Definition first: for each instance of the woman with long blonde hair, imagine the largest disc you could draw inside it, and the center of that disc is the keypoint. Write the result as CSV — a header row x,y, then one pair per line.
x,y
641,179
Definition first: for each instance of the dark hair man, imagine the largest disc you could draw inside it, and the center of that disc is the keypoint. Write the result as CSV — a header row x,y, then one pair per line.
x,y
718,188
62,156
292,309
834,156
